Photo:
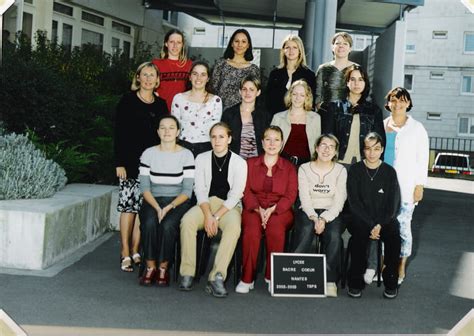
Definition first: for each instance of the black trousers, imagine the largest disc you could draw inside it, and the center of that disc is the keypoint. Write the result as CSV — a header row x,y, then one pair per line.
x,y
331,239
390,235
158,238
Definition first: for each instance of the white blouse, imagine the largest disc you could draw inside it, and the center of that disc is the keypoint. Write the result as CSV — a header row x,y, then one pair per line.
x,y
196,119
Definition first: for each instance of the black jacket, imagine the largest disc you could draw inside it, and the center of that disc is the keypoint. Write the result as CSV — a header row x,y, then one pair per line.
x,y
336,118
261,120
276,87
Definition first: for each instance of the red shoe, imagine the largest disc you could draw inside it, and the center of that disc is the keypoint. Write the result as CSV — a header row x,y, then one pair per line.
x,y
148,277
163,277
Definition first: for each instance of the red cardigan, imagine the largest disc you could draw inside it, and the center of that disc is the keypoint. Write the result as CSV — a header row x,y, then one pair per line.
x,y
284,190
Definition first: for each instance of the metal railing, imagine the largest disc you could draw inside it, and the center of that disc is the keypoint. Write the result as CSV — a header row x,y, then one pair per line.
x,y
455,145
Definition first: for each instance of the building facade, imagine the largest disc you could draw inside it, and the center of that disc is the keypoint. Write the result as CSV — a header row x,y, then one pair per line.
x,y
439,67
111,25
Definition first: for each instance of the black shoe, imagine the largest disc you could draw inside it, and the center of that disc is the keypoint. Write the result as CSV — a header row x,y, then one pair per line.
x,y
216,287
354,293
390,293
186,283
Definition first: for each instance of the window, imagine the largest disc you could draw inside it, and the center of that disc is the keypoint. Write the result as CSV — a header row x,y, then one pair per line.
x,y
469,42
63,9
29,1
126,49
433,115
90,37
466,125
436,75
27,28
67,36
121,27
199,31
89,17
115,45
54,31
467,85
408,82
411,41
440,34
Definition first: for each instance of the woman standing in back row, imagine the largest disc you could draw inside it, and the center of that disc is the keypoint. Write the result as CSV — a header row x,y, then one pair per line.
x,y
233,67
292,68
330,85
173,65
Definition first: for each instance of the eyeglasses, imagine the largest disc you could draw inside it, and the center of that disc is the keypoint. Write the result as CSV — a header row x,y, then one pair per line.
x,y
324,146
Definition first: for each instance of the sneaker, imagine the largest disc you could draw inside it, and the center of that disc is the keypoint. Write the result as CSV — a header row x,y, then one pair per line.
x,y
243,287
216,287
331,289
400,280
390,293
369,275
186,283
354,293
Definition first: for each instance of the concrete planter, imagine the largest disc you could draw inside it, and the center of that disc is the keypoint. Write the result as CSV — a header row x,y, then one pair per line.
x,y
35,234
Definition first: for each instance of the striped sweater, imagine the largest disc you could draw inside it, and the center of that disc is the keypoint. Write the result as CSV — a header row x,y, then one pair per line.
x,y
167,174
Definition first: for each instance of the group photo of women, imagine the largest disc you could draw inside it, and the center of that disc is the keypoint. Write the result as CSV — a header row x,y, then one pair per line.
x,y
259,165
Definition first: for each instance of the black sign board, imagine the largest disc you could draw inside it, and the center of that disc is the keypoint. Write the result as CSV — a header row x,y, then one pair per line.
x,y
298,274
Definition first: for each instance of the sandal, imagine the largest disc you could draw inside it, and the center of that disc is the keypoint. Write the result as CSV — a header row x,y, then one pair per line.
x,y
137,259
126,264
148,277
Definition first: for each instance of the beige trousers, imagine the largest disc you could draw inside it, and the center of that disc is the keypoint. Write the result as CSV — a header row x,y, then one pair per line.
x,y
193,221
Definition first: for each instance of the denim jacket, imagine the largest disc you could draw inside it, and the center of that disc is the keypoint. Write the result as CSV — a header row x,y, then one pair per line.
x,y
336,118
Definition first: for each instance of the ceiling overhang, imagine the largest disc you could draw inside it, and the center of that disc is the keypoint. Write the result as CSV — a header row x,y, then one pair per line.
x,y
369,16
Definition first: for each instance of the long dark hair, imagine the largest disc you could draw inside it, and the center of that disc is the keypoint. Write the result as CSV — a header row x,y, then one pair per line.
x,y
347,78
229,51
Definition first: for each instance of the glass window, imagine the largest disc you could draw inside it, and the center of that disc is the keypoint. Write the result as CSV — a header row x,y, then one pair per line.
x,y
467,84
29,1
126,49
27,28
408,82
54,31
121,27
89,17
63,9
91,37
440,34
411,41
115,45
67,36
436,75
466,125
469,42
433,115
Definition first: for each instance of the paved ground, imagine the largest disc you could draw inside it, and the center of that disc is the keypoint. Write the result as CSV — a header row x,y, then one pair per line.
x,y
93,297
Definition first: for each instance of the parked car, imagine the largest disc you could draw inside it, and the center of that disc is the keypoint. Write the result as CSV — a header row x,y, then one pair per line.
x,y
453,163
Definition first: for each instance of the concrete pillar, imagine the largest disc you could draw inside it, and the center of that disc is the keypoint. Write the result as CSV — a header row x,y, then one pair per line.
x,y
319,27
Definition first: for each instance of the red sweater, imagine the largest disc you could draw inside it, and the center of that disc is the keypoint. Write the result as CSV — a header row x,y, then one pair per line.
x,y
173,78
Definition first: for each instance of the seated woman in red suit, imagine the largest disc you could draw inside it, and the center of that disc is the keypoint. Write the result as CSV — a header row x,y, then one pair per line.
x,y
271,189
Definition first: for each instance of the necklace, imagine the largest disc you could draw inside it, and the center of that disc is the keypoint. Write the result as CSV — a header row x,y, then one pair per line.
x,y
223,163
367,171
144,100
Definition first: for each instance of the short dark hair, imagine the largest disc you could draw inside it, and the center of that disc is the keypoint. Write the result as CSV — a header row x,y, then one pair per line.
x,y
169,116
374,136
229,51
347,78
398,92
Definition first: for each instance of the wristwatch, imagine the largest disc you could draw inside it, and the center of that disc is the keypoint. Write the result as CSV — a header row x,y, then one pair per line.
x,y
216,217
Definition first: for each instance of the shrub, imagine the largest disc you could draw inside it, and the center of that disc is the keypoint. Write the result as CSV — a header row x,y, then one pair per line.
x,y
25,172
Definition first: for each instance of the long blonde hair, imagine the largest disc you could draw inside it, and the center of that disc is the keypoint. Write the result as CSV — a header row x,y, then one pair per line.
x,y
301,57
164,49
308,102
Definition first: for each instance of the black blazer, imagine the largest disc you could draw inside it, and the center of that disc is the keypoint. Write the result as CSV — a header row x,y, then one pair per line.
x,y
276,87
231,116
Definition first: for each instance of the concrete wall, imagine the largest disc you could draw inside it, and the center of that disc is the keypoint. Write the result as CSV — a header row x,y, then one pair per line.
x,y
35,234
389,61
445,55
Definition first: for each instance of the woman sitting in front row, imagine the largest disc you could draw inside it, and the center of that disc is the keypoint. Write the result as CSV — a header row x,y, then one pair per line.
x,y
269,195
322,191
166,181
